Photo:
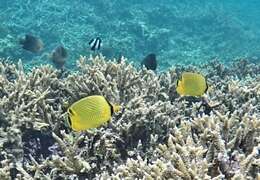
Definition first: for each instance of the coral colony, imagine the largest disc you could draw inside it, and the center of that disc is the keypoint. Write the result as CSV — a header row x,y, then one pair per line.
x,y
156,135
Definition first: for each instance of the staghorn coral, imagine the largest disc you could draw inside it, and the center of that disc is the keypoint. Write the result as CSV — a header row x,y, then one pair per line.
x,y
198,150
157,134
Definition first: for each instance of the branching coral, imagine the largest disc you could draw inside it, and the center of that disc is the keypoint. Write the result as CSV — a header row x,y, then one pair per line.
x,y
198,150
156,135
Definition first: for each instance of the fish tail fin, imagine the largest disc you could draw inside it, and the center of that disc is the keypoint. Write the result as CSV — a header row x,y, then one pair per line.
x,y
116,107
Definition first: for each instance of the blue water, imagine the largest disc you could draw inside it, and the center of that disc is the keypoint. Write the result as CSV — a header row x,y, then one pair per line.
x,y
177,31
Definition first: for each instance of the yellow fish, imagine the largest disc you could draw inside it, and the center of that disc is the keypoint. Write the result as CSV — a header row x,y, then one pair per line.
x,y
191,84
90,112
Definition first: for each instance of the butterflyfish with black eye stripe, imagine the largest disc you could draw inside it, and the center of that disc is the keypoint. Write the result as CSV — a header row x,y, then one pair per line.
x,y
191,84
90,112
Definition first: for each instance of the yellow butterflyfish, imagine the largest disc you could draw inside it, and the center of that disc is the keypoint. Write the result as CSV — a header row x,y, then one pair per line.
x,y
90,112
191,84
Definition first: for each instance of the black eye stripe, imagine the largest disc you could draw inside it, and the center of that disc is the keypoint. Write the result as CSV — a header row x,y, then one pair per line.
x,y
111,107
69,120
207,87
71,112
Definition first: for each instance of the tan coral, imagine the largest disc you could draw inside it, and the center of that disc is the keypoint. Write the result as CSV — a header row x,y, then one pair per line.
x,y
156,135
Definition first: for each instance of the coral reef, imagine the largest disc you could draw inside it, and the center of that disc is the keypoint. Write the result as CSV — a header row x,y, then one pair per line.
x,y
156,135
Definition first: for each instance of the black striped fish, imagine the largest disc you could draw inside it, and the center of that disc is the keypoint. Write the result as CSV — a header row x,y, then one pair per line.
x,y
95,43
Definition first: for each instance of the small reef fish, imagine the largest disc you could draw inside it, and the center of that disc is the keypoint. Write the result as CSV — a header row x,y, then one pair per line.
x,y
58,56
90,112
31,43
95,44
150,62
191,84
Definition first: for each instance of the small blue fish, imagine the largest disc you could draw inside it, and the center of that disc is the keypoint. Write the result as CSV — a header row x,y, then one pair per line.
x,y
95,44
